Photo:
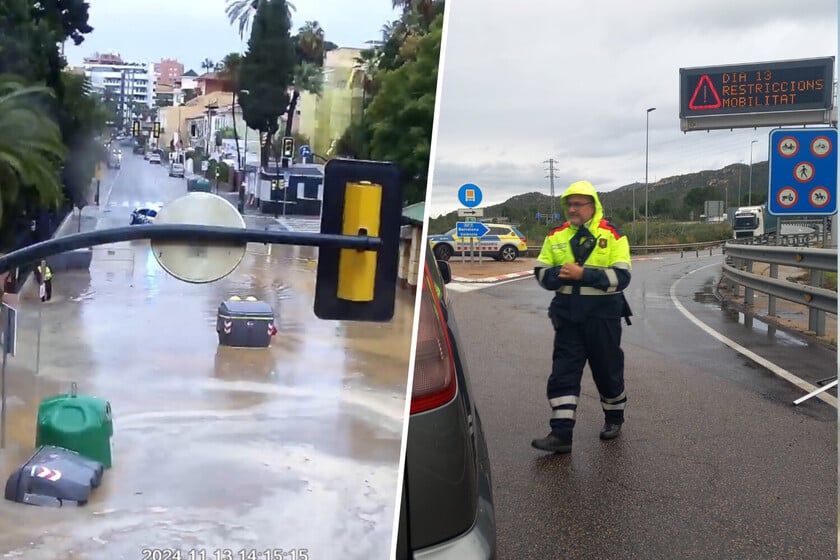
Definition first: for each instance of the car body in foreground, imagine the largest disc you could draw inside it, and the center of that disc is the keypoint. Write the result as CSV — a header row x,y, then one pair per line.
x,y
447,507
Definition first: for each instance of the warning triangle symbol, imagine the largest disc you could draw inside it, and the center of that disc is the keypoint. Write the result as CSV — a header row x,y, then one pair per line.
x,y
707,94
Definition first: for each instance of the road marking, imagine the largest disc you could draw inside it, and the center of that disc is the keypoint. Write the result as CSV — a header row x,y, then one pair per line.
x,y
779,371
473,286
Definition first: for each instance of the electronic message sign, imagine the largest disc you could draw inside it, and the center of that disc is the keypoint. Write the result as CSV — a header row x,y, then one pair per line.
x,y
757,94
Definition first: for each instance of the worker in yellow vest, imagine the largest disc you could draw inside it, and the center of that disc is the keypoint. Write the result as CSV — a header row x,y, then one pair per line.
x,y
45,280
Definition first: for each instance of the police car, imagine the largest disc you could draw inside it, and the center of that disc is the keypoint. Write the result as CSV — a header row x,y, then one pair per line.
x,y
502,242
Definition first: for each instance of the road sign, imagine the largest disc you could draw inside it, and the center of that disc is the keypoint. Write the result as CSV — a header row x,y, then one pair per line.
x,y
305,151
471,229
757,94
469,195
803,172
474,212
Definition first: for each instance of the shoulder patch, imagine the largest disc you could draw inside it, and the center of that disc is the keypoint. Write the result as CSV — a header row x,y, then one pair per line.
x,y
609,226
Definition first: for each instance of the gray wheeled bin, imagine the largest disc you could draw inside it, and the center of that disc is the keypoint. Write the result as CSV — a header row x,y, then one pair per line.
x,y
247,323
54,476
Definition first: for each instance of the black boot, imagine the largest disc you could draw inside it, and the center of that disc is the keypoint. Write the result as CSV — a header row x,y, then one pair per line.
x,y
610,430
553,443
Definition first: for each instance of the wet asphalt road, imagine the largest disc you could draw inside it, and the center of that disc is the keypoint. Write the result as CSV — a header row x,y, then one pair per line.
x,y
714,461
294,446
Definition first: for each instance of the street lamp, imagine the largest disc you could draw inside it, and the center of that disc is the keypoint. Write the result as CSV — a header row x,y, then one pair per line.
x,y
243,157
647,132
749,198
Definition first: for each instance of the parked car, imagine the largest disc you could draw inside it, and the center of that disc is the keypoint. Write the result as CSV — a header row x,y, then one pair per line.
x,y
154,157
176,169
447,507
142,216
502,242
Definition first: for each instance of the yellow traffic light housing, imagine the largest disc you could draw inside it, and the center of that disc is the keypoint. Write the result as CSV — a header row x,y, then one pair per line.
x,y
288,147
360,198
135,128
156,129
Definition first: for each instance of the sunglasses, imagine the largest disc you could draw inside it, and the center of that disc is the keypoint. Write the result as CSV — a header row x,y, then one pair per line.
x,y
577,205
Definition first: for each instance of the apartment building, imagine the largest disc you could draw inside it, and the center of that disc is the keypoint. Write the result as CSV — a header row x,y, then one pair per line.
x,y
131,84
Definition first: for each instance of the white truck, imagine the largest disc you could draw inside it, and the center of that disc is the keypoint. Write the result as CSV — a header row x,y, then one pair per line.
x,y
753,221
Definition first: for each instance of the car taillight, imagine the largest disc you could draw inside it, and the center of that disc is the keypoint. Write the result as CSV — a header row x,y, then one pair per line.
x,y
434,367
525,241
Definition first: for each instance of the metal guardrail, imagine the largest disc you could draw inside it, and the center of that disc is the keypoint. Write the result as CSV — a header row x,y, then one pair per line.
x,y
818,300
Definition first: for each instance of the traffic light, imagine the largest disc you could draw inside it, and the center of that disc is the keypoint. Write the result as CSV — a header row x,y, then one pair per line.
x,y
135,128
288,147
156,129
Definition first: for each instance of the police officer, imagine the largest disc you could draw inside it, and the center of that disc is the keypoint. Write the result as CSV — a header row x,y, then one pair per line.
x,y
45,276
586,262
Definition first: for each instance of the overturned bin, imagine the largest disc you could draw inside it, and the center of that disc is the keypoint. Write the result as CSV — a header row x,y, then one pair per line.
x,y
55,477
245,323
80,423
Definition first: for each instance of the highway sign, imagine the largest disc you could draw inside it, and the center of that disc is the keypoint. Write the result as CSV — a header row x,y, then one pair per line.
x,y
777,93
474,212
469,195
803,172
470,229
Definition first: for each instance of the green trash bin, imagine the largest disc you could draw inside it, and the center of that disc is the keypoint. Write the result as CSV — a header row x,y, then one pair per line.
x,y
80,423
202,185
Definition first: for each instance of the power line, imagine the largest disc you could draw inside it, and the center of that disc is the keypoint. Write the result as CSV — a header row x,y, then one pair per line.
x,y
550,176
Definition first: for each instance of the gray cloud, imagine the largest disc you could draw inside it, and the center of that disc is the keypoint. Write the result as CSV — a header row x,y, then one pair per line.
x,y
571,80
192,30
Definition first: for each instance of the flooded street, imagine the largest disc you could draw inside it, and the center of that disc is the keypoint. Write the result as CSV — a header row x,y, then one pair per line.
x,y
295,446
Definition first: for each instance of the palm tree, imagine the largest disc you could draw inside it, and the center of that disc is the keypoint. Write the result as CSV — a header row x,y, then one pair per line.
x,y
308,77
30,145
308,74
424,8
230,67
242,12
208,65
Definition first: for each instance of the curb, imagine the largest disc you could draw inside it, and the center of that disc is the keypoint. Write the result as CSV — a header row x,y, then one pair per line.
x,y
492,279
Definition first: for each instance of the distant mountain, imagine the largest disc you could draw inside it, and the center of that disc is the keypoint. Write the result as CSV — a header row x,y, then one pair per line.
x,y
666,196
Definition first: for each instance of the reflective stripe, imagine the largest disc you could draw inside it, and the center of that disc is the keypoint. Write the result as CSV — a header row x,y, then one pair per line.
x,y
621,265
613,278
585,291
619,406
541,274
620,397
560,401
564,413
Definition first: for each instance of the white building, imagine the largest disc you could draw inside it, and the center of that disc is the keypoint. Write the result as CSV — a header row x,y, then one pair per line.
x,y
131,84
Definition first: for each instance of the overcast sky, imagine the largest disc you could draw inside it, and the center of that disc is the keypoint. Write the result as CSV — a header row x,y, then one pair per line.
x,y
571,80
192,30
